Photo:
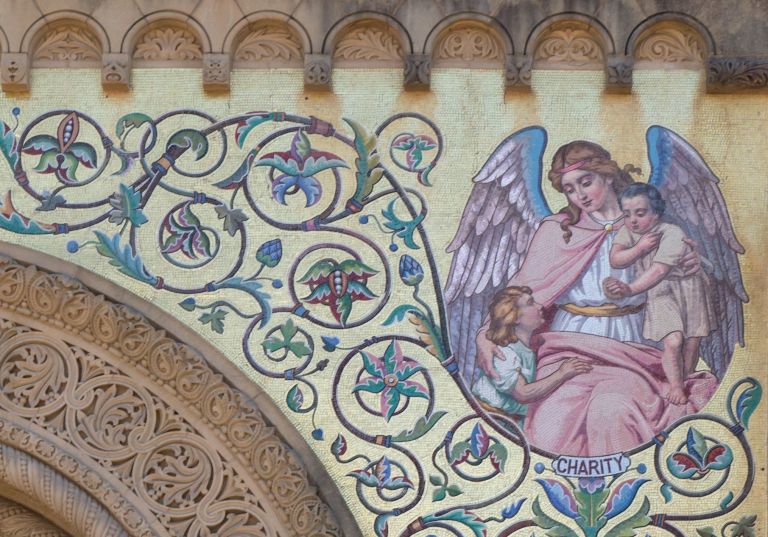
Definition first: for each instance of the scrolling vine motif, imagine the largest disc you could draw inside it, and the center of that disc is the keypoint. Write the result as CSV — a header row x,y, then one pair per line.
x,y
337,190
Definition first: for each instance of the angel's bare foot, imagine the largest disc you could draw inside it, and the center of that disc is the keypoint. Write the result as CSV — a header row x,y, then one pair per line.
x,y
677,396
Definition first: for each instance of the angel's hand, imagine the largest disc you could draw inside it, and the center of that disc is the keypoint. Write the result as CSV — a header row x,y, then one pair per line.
x,y
486,351
649,241
690,263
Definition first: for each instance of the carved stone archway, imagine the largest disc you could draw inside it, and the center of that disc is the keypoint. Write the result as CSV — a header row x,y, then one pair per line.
x,y
111,426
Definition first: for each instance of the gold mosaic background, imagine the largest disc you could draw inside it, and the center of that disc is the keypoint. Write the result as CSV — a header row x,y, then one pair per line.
x,y
474,115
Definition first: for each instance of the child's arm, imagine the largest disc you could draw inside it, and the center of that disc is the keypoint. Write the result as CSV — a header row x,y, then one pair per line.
x,y
655,273
528,392
622,255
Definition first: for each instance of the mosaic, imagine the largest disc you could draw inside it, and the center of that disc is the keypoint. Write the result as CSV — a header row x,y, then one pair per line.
x,y
585,342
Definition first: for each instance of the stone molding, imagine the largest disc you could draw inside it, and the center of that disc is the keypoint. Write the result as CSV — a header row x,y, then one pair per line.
x,y
139,420
371,34
725,75
18,521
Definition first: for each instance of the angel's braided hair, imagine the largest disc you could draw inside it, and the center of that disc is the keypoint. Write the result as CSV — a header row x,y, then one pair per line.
x,y
504,312
598,160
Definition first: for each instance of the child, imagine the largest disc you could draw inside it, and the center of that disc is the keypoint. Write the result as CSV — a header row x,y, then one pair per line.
x,y
514,316
678,308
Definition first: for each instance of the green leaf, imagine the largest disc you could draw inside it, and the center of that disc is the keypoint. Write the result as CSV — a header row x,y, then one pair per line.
x,y
8,145
303,146
436,480
190,139
48,162
123,258
40,144
696,444
553,527
403,228
318,271
399,313
85,153
748,402
353,267
273,344
475,524
498,454
626,527
126,203
727,500
458,450
454,490
438,494
299,348
745,527
366,175
288,330
130,121
666,492
709,531
252,288
242,131
422,426
295,398
344,306
215,319
232,218
591,507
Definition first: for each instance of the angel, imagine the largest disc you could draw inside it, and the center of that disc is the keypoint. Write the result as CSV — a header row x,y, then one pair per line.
x,y
508,236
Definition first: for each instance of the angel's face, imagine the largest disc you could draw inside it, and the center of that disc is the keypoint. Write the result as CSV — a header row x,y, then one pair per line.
x,y
587,190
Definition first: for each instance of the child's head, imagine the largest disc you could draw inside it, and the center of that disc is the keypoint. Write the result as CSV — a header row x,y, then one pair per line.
x,y
642,205
511,308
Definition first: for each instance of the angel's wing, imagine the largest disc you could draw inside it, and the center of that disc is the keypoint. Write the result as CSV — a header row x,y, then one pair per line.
x,y
695,202
501,215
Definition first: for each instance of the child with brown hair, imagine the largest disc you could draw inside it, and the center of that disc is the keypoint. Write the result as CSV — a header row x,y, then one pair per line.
x,y
514,316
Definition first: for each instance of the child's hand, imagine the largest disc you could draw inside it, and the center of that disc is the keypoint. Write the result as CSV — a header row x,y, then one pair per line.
x,y
615,289
648,242
571,367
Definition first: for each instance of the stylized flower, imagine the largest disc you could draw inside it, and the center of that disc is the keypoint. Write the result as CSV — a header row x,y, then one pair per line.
x,y
329,343
390,376
61,154
270,253
622,496
560,497
298,166
338,285
411,272
185,234
700,457
590,485
379,475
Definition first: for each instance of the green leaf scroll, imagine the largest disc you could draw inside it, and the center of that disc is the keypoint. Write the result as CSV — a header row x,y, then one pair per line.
x,y
627,527
422,426
553,527
123,257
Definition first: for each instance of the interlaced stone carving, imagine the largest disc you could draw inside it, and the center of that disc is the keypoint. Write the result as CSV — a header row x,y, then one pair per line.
x,y
467,41
670,42
168,43
191,453
368,40
269,41
569,43
68,43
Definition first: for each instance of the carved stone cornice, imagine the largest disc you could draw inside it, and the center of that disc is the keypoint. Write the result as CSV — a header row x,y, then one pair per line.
x,y
144,412
733,74
618,73
317,72
418,71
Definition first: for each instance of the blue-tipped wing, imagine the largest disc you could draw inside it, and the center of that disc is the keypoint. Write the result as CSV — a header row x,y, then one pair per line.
x,y
499,220
695,202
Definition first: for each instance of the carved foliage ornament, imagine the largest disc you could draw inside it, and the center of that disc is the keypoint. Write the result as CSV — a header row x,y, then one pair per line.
x,y
147,412
269,41
168,43
18,521
574,43
68,43
369,41
468,41
670,42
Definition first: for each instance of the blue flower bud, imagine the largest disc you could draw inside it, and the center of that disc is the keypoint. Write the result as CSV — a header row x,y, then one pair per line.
x,y
642,468
16,111
318,434
188,304
411,271
329,343
270,253
277,284
538,467
393,247
72,247
363,219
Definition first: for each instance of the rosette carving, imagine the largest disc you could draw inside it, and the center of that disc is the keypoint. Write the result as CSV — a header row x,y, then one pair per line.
x,y
468,41
188,453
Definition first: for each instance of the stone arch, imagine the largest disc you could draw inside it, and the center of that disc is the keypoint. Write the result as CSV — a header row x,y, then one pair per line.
x,y
370,38
66,39
5,45
103,360
569,41
469,39
267,39
670,39
165,37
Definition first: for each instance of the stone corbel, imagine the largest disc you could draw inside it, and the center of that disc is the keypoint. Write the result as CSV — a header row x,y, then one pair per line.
x,y
517,72
116,71
317,72
216,71
725,75
618,73
417,74
14,71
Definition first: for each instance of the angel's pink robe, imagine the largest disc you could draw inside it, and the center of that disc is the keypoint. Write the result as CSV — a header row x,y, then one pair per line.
x,y
620,403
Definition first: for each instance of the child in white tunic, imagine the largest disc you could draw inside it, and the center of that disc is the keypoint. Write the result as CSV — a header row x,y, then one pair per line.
x,y
514,317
